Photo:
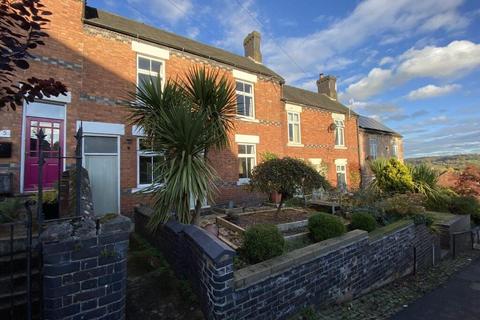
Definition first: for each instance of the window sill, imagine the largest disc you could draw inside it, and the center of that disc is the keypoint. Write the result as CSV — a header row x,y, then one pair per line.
x,y
142,187
341,147
293,144
247,119
243,181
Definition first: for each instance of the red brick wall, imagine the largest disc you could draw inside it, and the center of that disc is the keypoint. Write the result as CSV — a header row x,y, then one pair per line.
x,y
104,65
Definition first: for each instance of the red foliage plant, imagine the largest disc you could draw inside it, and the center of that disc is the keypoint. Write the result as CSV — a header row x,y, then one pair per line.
x,y
21,30
468,182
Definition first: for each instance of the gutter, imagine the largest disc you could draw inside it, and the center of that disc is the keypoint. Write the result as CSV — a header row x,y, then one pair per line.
x,y
137,36
323,108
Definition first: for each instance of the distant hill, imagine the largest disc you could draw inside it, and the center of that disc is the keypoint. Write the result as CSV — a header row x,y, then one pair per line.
x,y
455,162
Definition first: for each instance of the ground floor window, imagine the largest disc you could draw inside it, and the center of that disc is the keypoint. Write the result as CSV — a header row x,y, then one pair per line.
x,y
148,161
341,176
246,161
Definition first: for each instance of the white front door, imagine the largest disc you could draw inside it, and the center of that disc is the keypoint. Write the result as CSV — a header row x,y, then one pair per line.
x,y
102,162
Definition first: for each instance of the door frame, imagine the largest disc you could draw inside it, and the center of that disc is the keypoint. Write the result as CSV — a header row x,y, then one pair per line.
x,y
54,102
91,134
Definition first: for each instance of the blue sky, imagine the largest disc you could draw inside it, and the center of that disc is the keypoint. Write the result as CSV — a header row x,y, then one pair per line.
x,y
413,64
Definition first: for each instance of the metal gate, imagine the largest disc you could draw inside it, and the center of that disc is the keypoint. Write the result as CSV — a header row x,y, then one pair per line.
x,y
20,251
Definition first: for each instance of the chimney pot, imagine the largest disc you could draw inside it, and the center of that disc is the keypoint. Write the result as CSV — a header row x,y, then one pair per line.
x,y
327,84
251,44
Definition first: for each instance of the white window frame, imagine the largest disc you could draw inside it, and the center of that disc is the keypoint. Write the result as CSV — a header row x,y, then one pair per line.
x,y
340,131
160,74
144,153
243,93
372,142
242,181
291,140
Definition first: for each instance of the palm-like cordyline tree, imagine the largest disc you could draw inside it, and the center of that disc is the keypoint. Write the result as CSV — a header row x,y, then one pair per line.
x,y
184,120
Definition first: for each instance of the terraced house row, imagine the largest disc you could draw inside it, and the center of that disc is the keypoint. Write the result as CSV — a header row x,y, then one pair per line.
x,y
101,57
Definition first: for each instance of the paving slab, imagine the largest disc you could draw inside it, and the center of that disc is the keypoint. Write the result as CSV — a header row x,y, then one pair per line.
x,y
458,298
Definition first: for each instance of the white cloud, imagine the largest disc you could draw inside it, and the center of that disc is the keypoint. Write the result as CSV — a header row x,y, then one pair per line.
x,y
377,80
454,60
386,60
236,23
437,62
369,20
171,11
193,32
431,90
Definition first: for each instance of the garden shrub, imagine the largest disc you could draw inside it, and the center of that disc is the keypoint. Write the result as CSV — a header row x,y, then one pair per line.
x,y
403,205
363,221
262,242
442,201
465,205
425,219
323,226
391,176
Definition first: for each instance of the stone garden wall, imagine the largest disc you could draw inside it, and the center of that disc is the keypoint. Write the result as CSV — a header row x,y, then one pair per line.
x,y
330,271
85,269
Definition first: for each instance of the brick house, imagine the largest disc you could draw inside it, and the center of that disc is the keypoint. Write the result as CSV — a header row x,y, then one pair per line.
x,y
101,57
376,141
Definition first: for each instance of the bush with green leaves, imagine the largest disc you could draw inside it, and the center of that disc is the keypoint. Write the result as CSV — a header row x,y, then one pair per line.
x,y
262,242
323,226
10,209
403,205
286,176
425,180
465,205
363,221
391,176
423,218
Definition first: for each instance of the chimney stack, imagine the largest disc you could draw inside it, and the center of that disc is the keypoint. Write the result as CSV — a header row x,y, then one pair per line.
x,y
327,85
251,44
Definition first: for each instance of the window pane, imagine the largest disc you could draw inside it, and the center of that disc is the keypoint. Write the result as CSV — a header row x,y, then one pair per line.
x,y
46,143
144,145
248,106
242,168
296,133
248,88
56,139
290,132
240,105
100,145
295,117
146,170
156,66
33,142
242,149
143,64
239,86
250,150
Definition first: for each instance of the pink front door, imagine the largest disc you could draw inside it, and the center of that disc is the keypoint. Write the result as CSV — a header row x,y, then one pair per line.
x,y
53,130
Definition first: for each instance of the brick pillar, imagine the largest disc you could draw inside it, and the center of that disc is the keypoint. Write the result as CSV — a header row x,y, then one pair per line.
x,y
84,277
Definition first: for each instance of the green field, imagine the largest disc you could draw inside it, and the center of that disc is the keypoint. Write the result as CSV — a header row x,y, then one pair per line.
x,y
456,162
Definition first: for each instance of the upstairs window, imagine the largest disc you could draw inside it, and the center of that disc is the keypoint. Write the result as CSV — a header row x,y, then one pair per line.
x,y
147,161
395,149
339,133
245,104
294,127
373,148
148,69
246,161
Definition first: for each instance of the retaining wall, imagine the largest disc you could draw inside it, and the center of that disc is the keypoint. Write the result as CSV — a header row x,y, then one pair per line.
x,y
330,271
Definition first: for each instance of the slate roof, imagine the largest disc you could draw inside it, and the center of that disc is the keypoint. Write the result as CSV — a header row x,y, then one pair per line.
x,y
106,20
372,124
313,99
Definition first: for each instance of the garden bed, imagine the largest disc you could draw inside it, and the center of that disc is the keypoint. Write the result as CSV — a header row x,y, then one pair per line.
x,y
249,219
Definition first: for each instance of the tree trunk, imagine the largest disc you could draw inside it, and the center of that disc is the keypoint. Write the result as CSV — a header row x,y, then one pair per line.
x,y
196,213
280,204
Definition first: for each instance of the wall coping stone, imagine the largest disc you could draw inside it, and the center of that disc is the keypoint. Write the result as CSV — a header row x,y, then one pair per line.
x,y
261,271
454,220
216,249
405,225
